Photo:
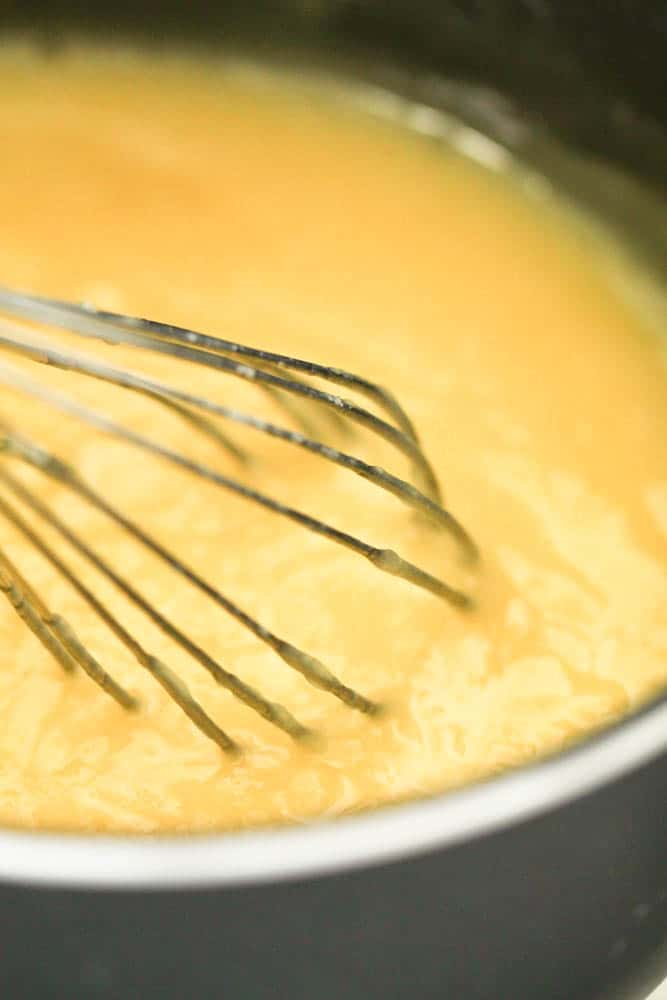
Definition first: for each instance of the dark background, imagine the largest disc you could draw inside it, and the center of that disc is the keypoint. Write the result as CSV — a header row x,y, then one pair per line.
x,y
593,68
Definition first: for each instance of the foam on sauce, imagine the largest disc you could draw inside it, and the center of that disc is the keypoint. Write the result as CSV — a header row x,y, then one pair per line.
x,y
167,188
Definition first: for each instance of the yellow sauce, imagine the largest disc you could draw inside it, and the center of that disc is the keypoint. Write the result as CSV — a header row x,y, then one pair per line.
x,y
185,192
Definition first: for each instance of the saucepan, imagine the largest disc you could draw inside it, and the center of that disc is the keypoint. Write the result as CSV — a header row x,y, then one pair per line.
x,y
549,881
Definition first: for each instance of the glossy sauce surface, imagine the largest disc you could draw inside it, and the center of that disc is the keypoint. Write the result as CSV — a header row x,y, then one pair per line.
x,y
241,206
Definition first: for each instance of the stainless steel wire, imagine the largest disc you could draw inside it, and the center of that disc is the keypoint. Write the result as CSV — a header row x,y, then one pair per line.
x,y
29,332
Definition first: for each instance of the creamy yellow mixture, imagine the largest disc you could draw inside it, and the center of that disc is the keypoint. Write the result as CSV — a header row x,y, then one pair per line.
x,y
192,194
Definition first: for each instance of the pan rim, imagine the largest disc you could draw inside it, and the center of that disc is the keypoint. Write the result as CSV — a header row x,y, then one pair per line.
x,y
325,847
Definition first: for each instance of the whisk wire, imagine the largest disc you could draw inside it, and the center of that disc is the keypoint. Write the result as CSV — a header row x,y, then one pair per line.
x,y
187,345
33,613
60,313
282,378
53,631
273,712
384,559
182,402
311,668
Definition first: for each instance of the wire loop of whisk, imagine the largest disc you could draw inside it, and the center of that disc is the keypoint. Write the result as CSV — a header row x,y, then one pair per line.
x,y
188,345
183,401
267,371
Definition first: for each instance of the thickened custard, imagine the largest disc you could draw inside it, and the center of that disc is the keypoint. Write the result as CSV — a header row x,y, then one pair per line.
x,y
239,205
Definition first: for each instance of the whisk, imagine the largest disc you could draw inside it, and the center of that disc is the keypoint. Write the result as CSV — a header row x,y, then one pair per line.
x,y
287,380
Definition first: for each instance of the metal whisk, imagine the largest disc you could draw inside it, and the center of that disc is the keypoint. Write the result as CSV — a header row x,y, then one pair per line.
x,y
287,380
